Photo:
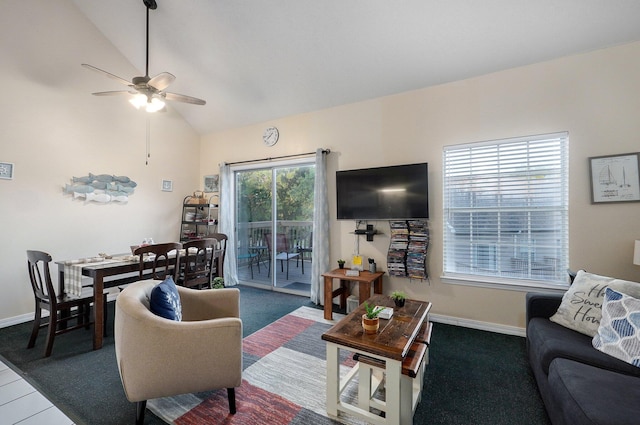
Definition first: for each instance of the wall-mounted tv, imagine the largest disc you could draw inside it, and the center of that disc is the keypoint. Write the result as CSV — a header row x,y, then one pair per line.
x,y
383,193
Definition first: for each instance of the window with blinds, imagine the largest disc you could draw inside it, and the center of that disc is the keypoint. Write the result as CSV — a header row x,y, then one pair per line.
x,y
506,210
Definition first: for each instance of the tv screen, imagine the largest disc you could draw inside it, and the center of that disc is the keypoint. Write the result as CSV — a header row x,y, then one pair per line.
x,y
383,193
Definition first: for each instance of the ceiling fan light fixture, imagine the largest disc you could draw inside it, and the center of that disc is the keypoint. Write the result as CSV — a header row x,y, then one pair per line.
x,y
155,105
138,100
149,103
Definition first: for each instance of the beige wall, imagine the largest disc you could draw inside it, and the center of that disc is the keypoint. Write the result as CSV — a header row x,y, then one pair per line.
x,y
51,128
593,96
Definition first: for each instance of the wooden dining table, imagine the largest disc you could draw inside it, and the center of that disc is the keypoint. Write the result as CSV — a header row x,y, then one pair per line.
x,y
98,273
120,269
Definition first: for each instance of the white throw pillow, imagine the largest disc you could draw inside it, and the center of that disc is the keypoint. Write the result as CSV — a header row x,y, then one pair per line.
x,y
581,306
619,332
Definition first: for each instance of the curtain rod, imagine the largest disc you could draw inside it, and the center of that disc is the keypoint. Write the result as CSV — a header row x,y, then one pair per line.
x,y
325,151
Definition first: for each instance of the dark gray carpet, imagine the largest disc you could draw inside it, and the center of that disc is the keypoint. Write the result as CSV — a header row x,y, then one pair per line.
x,y
474,377
297,286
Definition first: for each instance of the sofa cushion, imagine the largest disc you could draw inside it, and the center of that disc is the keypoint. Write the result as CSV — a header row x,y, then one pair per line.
x,y
165,300
590,395
581,306
619,331
547,340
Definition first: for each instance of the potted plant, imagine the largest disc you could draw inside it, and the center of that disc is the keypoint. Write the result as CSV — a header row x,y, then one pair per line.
x,y
370,319
341,263
218,283
398,298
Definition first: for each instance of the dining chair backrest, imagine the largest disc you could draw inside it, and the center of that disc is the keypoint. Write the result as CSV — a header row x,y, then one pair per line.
x,y
165,260
40,276
222,249
62,308
199,262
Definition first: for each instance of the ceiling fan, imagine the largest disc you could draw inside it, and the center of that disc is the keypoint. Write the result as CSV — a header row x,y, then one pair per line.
x,y
148,92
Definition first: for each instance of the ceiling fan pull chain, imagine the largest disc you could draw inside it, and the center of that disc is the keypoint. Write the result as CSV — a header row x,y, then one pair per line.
x,y
148,153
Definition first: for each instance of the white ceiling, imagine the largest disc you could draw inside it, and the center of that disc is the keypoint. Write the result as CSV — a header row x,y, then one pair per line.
x,y
259,60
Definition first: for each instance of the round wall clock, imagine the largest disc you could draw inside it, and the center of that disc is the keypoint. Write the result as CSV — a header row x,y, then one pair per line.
x,y
270,136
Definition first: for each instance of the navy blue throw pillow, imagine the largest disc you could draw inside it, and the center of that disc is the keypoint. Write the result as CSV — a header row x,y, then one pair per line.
x,y
165,300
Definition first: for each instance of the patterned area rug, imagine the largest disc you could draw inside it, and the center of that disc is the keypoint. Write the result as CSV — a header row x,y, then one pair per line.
x,y
283,379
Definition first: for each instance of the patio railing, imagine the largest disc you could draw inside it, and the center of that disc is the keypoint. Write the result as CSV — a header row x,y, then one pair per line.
x,y
254,234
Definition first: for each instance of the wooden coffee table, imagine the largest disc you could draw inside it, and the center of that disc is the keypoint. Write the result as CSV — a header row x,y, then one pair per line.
x,y
390,346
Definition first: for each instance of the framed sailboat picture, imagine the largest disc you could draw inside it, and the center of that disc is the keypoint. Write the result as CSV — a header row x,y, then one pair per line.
x,y
615,178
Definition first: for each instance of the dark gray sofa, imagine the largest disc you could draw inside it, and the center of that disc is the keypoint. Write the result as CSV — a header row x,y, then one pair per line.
x,y
578,384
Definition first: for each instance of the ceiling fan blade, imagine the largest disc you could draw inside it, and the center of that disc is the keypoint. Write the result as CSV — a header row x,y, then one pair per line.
x,y
112,93
161,81
108,74
182,98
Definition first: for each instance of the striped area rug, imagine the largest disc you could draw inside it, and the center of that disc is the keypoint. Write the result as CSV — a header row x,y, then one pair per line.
x,y
283,380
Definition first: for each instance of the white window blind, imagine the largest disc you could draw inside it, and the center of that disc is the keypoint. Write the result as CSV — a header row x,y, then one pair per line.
x,y
506,209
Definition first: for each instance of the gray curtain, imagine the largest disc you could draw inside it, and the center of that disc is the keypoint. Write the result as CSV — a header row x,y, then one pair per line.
x,y
320,260
225,224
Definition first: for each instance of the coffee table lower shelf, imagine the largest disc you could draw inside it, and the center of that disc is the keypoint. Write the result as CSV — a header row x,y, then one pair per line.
x,y
402,393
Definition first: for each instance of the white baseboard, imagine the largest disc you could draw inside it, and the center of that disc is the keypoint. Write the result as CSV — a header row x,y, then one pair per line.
x,y
16,320
27,317
438,318
476,324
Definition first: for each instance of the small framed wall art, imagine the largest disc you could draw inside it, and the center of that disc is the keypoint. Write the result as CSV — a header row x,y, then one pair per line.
x,y
615,178
167,186
212,183
6,170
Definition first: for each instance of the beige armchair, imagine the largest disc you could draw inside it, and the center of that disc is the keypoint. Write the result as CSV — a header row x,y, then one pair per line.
x,y
158,357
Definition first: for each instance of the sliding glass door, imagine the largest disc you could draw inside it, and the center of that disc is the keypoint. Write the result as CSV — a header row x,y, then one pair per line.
x,y
274,222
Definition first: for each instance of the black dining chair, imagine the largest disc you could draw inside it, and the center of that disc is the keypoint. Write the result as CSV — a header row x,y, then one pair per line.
x,y
62,308
163,264
222,252
198,263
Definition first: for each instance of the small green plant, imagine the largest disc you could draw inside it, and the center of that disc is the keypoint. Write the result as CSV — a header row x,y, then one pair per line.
x,y
341,263
371,311
398,295
218,283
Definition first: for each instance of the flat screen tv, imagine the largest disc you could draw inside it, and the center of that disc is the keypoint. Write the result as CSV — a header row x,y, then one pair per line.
x,y
383,193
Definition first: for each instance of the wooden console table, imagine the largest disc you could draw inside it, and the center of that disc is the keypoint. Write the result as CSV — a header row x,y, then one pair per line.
x,y
364,279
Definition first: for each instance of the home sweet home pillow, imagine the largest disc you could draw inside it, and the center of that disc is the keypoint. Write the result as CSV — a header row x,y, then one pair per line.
x,y
619,331
581,306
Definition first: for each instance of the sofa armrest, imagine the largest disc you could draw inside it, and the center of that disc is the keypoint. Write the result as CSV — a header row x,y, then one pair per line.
x,y
542,305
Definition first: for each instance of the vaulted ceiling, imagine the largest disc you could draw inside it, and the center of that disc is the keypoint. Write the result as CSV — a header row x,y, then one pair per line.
x,y
259,60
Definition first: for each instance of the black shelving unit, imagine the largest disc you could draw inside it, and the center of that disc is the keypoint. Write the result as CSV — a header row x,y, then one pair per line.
x,y
198,219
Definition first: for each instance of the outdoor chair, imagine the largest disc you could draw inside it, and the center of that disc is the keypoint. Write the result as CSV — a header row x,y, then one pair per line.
x,y
281,253
302,250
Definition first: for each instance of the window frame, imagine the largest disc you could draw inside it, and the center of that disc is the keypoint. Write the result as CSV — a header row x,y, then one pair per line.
x,y
493,241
